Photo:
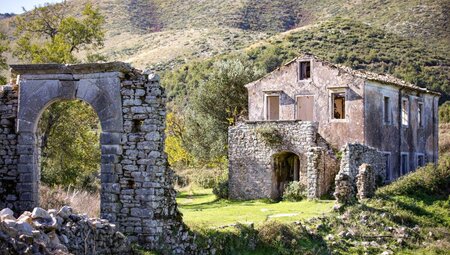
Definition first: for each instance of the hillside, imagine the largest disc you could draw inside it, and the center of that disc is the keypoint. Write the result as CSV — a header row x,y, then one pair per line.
x,y
164,33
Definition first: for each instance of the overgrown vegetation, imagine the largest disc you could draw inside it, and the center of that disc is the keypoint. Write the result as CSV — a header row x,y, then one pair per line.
x,y
3,49
294,191
270,135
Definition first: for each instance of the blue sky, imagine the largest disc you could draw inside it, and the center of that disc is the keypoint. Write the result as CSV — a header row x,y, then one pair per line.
x,y
15,6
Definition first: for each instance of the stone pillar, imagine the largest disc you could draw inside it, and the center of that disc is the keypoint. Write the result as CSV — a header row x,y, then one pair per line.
x,y
365,181
9,172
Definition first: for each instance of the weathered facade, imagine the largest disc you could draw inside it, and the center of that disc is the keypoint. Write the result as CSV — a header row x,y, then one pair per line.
x,y
136,184
394,117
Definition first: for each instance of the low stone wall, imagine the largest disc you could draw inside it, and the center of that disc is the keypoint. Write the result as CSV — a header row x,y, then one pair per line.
x,y
59,232
353,156
9,174
252,146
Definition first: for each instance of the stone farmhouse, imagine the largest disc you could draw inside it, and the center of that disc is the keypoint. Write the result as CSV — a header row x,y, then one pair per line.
x,y
316,122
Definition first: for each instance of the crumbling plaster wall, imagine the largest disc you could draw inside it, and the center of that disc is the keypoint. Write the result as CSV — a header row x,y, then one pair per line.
x,y
412,139
251,172
324,80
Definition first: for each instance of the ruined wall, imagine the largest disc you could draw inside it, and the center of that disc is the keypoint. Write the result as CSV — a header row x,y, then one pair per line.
x,y
136,183
251,171
324,80
322,169
353,156
8,146
412,139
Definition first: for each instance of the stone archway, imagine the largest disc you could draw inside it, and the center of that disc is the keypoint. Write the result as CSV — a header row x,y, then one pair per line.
x,y
136,184
36,93
286,168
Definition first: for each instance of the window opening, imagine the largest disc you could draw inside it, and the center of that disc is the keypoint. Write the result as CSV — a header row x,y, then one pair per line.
x,y
338,102
405,112
305,70
420,114
404,164
387,110
273,107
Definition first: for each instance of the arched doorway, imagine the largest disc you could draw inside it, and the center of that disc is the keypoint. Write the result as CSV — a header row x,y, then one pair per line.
x,y
286,168
68,141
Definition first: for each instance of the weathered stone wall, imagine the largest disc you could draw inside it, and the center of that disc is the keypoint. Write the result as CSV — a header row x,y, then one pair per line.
x,y
353,156
251,171
136,183
8,146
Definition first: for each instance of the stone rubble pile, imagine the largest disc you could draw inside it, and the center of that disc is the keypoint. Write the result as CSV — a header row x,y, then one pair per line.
x,y
59,232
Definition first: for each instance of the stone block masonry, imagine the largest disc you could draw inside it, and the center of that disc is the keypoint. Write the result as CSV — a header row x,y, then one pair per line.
x,y
9,171
265,155
136,183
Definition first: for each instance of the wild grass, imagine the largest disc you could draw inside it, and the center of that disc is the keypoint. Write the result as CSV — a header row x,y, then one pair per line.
x,y
201,209
81,201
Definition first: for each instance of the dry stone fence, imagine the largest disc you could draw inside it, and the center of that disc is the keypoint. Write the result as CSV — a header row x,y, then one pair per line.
x,y
136,183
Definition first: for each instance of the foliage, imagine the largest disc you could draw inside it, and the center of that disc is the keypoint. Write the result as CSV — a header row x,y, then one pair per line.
x,y
174,140
294,191
444,112
270,135
217,103
428,180
202,177
70,145
221,190
48,35
3,49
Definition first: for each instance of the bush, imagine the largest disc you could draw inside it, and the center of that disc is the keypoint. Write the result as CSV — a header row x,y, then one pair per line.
x,y
294,191
444,112
221,190
206,178
430,180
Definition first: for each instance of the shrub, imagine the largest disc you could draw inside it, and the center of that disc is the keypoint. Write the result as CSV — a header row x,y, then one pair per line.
x,y
221,190
444,112
270,135
430,180
206,178
294,191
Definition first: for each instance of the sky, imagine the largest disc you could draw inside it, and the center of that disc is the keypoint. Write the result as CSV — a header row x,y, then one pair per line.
x,y
15,6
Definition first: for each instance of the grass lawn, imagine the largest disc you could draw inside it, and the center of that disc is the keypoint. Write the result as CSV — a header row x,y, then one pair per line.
x,y
201,208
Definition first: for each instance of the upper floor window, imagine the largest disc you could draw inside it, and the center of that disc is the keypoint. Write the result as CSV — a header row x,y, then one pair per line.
x,y
338,105
405,112
305,70
387,110
305,108
272,107
420,114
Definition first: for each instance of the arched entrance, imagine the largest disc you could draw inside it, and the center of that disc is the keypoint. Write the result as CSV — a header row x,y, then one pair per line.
x,y
286,168
68,138
35,96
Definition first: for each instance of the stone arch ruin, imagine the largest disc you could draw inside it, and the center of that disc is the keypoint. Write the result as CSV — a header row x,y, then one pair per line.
x,y
136,183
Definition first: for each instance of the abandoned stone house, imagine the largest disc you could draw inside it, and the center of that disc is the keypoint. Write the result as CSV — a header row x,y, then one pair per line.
x,y
303,113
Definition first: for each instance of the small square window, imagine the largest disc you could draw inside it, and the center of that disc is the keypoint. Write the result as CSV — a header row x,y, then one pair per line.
x,y
387,110
338,105
305,70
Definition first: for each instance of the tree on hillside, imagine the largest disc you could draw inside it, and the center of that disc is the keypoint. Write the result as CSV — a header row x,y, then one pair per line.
x,y
3,49
49,35
69,131
216,104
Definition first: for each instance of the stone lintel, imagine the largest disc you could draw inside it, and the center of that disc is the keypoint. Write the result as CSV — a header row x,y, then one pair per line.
x,y
59,69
